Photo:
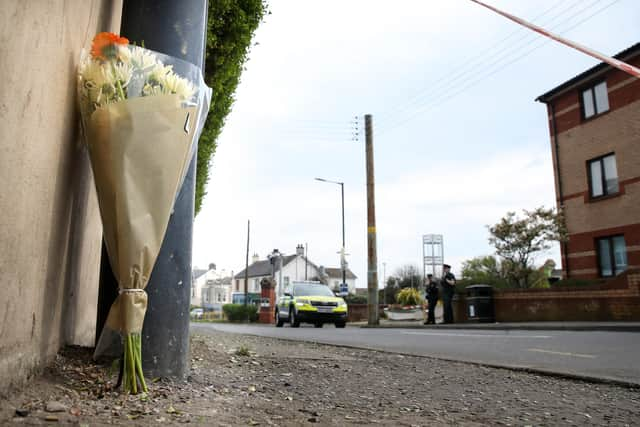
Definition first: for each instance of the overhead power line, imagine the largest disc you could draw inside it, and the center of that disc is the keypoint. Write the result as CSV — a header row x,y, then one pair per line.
x,y
470,64
488,71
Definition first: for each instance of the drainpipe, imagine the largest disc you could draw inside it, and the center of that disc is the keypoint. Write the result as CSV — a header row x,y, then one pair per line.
x,y
176,28
556,149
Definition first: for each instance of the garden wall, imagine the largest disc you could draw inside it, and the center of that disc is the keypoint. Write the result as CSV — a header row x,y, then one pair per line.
x,y
616,300
360,313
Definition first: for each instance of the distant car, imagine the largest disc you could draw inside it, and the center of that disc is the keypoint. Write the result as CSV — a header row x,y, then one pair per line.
x,y
197,313
309,302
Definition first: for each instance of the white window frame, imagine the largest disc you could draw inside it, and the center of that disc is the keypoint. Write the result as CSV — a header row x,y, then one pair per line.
x,y
604,176
589,97
612,256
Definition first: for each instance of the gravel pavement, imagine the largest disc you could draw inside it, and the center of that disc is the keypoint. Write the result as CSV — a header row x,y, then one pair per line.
x,y
273,382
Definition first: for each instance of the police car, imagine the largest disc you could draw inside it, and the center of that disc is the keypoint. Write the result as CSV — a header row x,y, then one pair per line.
x,y
310,302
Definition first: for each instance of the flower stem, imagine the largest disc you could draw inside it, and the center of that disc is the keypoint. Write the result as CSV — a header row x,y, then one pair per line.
x,y
120,90
133,364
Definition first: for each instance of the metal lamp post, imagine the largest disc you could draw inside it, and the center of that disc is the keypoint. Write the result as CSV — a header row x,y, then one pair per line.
x,y
343,260
178,29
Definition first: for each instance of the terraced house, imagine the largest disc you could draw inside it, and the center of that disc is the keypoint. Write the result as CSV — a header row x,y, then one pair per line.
x,y
594,121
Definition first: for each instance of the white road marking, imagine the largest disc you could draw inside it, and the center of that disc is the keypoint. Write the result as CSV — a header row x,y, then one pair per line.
x,y
563,353
446,334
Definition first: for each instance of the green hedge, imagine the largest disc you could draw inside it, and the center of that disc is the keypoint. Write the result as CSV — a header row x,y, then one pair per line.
x,y
230,29
241,312
355,299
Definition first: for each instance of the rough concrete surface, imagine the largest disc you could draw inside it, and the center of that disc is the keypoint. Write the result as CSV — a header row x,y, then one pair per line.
x,y
274,382
50,226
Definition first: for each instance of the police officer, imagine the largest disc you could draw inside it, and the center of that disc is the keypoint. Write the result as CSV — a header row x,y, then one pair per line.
x,y
448,283
432,299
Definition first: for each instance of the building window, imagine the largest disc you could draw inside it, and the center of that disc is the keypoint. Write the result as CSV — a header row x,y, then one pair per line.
x,y
595,100
256,285
237,284
612,255
286,280
219,298
603,176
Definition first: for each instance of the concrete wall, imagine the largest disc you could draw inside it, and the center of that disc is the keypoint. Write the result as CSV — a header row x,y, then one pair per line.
x,y
50,227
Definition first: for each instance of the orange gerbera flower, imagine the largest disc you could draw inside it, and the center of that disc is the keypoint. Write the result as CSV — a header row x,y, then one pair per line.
x,y
103,45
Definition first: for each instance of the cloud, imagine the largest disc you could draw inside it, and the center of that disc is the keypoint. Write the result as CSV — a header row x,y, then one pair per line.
x,y
460,165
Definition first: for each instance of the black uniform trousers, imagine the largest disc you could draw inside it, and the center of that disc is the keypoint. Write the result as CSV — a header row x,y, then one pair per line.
x,y
431,315
447,298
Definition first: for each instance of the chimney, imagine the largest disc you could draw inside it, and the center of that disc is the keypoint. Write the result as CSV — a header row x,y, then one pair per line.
x,y
255,258
300,250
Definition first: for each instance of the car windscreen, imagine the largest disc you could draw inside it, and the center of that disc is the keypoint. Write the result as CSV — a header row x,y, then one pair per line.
x,y
311,290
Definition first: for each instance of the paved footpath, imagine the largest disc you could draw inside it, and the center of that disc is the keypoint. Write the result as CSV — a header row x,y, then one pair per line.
x,y
249,380
599,355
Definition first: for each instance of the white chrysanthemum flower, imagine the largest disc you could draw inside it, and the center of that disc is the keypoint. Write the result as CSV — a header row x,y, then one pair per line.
x,y
178,85
124,54
122,72
154,90
94,73
159,73
142,59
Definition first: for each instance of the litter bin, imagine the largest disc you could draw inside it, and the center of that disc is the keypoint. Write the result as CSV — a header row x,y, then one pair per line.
x,y
480,304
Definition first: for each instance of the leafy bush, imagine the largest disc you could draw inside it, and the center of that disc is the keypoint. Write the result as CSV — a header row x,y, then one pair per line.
x,y
409,296
355,299
241,312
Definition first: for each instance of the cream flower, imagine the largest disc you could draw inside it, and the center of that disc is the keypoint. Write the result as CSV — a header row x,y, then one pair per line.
x,y
124,54
142,59
178,85
159,73
94,73
122,72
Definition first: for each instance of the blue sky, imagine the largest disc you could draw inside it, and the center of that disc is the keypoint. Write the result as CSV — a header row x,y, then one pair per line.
x,y
458,138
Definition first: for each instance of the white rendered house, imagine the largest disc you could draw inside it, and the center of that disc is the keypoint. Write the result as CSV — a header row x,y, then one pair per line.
x,y
289,268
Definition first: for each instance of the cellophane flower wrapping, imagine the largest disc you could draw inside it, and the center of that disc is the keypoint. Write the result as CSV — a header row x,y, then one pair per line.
x,y
142,113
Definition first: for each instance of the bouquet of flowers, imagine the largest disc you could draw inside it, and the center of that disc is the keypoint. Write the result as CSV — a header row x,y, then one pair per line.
x,y
142,112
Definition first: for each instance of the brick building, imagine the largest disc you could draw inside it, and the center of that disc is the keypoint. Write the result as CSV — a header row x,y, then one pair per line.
x,y
594,121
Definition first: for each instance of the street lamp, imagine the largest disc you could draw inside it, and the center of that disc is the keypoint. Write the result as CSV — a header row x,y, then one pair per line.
x,y
343,260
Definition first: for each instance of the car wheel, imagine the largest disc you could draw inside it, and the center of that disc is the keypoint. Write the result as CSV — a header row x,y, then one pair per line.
x,y
279,321
318,325
340,324
295,323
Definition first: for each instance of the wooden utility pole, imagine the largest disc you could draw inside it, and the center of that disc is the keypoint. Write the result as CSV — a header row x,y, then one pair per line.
x,y
372,255
246,267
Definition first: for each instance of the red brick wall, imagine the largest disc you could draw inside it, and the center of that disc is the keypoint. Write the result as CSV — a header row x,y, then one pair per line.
x,y
359,312
566,120
616,299
583,255
579,140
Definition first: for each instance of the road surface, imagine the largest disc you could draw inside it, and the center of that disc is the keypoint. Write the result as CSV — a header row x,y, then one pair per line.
x,y
602,355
